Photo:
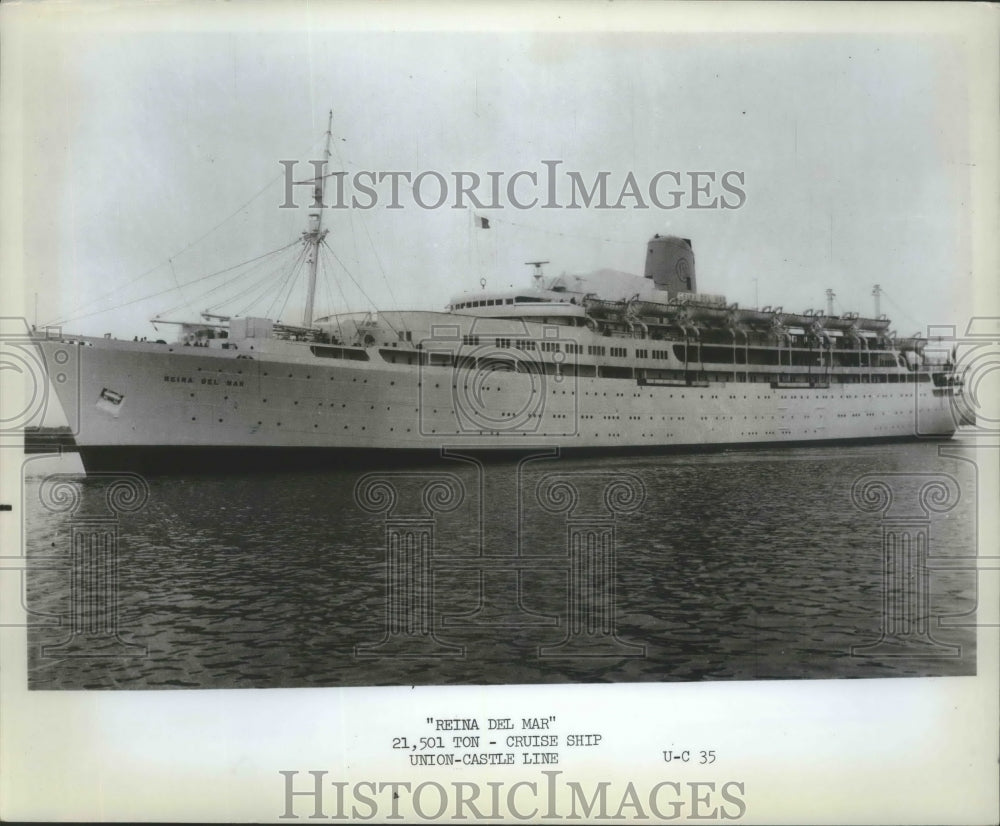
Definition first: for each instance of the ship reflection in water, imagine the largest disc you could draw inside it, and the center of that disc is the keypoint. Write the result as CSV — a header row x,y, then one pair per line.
x,y
735,565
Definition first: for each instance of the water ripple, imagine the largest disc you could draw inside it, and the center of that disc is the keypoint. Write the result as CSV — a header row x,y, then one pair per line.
x,y
743,565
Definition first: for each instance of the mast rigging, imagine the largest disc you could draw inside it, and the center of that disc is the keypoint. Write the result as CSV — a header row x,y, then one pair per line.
x,y
314,236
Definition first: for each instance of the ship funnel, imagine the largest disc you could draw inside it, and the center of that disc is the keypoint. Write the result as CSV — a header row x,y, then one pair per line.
x,y
670,264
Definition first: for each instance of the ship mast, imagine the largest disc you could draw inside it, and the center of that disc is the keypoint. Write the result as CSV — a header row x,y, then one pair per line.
x,y
315,234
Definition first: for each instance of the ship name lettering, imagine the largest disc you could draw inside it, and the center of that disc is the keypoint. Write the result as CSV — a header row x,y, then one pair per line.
x,y
536,722
456,724
182,379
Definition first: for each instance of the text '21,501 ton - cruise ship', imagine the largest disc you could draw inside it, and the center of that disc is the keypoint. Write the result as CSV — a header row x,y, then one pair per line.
x,y
602,362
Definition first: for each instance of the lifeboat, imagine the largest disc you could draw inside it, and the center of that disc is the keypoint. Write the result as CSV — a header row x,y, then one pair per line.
x,y
602,308
706,312
804,320
754,316
844,322
878,325
652,309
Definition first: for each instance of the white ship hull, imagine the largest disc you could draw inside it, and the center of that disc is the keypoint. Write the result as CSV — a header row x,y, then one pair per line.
x,y
151,404
569,363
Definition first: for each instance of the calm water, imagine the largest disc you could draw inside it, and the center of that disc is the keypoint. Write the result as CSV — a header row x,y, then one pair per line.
x,y
735,565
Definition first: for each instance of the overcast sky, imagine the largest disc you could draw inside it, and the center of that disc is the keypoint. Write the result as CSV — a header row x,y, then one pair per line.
x,y
854,152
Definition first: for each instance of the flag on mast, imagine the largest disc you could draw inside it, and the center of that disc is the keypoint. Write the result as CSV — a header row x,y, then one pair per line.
x,y
481,222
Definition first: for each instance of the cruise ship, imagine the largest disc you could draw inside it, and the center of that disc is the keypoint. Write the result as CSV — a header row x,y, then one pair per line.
x,y
605,362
